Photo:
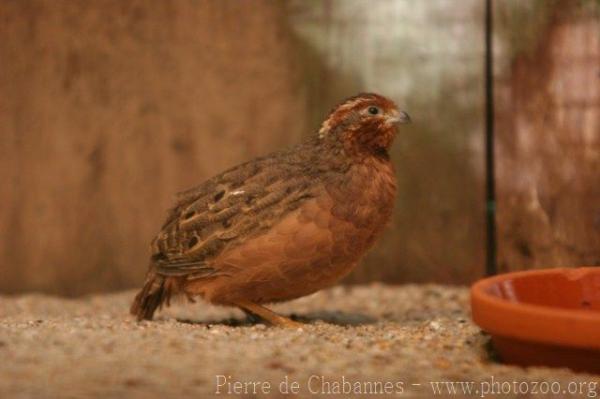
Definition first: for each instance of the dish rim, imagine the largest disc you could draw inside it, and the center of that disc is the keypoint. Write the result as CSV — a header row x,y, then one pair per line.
x,y
533,322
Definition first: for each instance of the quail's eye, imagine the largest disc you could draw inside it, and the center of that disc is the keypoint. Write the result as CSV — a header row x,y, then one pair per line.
x,y
373,110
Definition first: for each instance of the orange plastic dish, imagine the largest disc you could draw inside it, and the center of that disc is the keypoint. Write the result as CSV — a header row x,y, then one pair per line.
x,y
547,317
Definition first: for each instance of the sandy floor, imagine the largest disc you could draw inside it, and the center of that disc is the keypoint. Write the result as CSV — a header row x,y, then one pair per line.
x,y
391,340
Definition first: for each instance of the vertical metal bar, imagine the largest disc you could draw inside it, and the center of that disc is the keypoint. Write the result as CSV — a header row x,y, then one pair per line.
x,y
490,186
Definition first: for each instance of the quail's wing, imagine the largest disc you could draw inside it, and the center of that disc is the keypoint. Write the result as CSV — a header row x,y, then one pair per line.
x,y
226,210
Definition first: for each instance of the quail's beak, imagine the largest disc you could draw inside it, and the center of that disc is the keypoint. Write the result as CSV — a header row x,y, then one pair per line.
x,y
398,117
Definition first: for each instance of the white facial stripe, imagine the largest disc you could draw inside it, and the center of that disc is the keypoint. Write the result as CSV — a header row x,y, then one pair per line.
x,y
344,107
351,104
324,128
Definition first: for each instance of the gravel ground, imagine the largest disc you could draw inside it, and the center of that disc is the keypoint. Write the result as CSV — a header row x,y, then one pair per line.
x,y
393,341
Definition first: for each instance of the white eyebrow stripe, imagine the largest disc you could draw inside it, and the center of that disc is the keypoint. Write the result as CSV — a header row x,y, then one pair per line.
x,y
237,192
351,104
326,125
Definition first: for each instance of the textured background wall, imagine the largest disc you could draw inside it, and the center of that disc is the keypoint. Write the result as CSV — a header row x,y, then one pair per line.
x,y
107,108
110,107
549,134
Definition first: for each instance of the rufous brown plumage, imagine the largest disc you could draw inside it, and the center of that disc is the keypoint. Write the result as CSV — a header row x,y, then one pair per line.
x,y
284,225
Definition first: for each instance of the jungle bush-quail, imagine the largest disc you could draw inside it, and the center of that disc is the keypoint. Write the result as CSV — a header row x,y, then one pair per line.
x,y
284,225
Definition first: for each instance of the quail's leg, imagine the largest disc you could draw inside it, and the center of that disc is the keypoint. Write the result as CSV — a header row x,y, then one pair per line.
x,y
251,317
267,315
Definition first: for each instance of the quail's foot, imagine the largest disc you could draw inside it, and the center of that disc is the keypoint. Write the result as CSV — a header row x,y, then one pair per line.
x,y
254,310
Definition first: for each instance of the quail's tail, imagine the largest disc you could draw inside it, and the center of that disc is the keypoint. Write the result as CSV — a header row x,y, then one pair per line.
x,y
155,292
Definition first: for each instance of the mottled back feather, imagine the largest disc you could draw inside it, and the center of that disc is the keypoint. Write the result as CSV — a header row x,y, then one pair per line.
x,y
234,206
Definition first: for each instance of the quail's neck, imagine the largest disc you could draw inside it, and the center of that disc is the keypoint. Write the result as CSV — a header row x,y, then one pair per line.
x,y
356,146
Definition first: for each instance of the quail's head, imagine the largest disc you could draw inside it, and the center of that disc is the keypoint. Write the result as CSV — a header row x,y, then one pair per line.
x,y
366,122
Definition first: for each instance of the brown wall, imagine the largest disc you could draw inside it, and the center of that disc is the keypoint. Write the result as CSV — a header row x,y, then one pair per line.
x,y
101,105
549,142
107,108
